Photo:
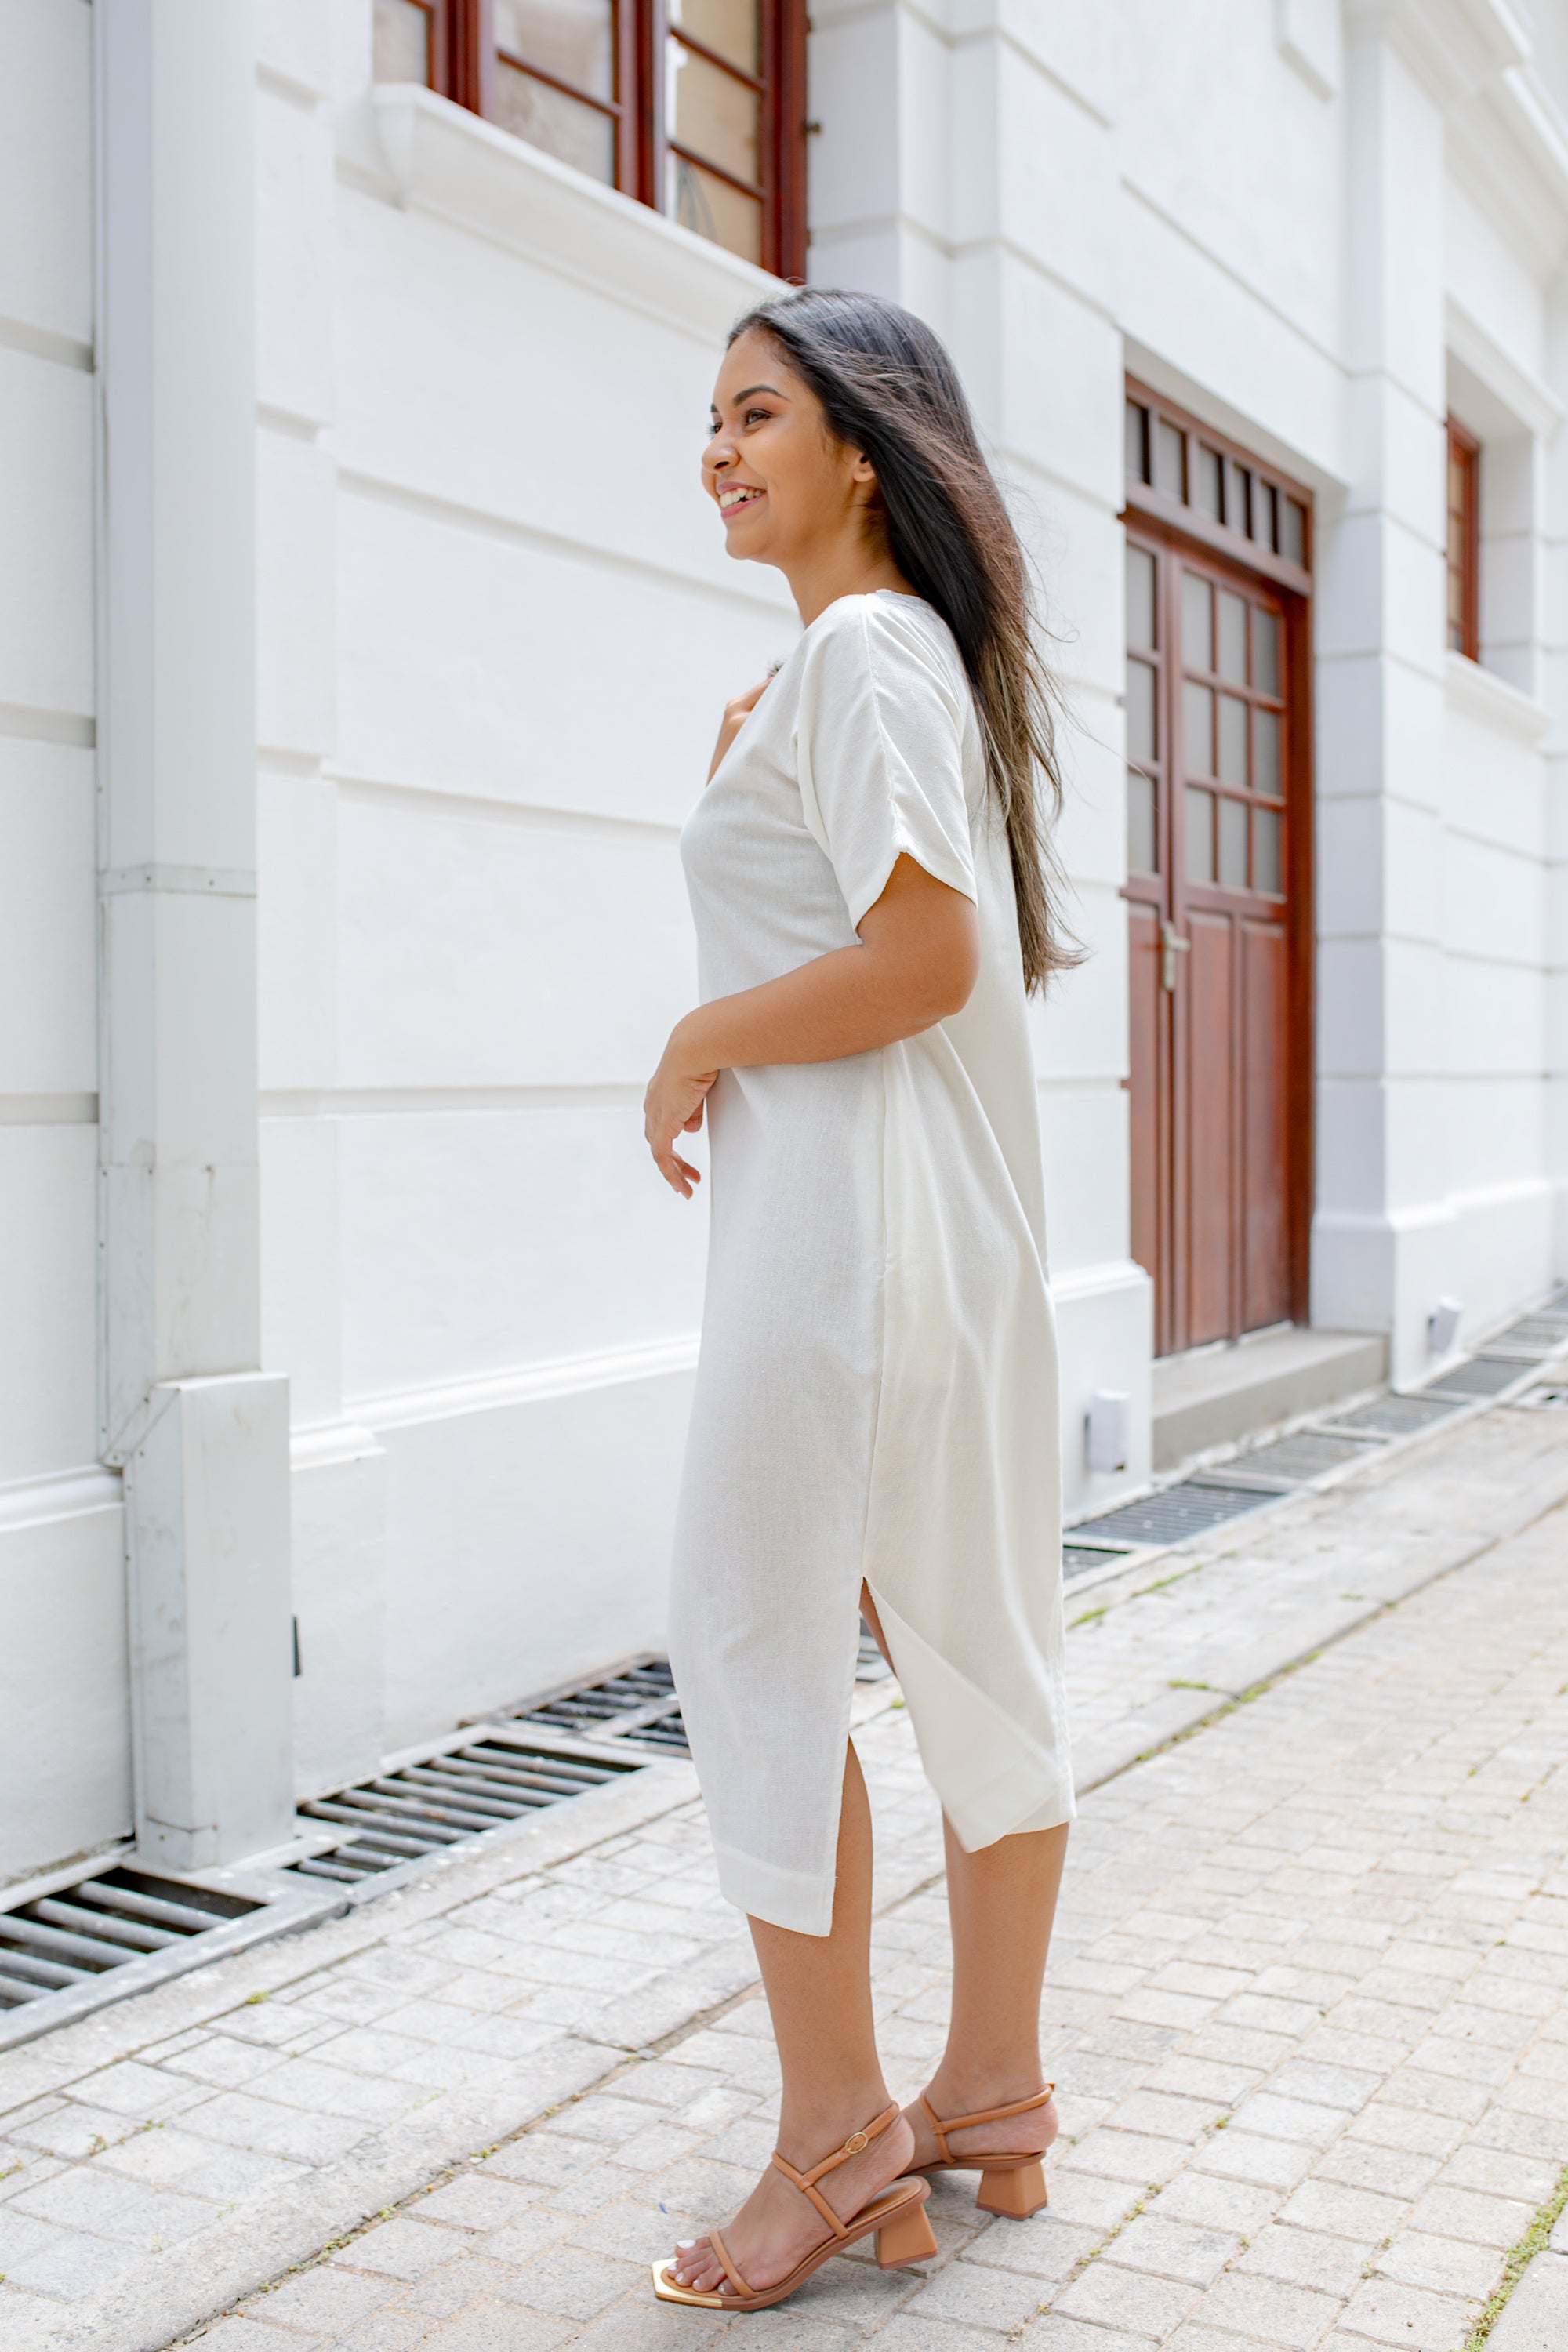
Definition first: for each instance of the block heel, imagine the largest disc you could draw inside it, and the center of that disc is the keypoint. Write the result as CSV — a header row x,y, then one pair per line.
x,y
1009,2184
908,2238
1016,2190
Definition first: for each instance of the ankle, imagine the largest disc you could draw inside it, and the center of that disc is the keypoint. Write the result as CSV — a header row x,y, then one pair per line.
x,y
968,2087
813,2128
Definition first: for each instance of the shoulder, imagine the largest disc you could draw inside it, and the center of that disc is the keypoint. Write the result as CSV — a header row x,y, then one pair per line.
x,y
880,640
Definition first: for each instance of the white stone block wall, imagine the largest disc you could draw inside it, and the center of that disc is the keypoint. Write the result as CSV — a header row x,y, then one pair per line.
x,y
493,631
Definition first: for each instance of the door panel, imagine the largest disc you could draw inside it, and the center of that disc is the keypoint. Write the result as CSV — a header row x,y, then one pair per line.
x,y
1143,1031
1210,1152
1266,1254
1217,821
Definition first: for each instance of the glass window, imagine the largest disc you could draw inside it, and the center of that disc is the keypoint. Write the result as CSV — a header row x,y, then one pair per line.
x,y
1170,460
1210,485
1143,845
1198,719
1464,542
1265,650
695,107
1233,844
1265,850
1137,442
402,41
1232,636
1232,740
1199,820
1197,622
1141,598
1265,752
1142,743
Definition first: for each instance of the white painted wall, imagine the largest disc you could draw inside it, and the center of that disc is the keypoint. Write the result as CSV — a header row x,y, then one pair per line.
x,y
494,629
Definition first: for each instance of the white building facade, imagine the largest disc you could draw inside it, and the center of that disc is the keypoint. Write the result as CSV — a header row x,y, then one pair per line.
x,y
362,635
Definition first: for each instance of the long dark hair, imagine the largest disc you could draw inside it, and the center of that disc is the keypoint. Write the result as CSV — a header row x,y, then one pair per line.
x,y
888,388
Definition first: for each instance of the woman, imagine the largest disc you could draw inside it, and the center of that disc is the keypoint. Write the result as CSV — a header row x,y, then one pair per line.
x,y
874,1427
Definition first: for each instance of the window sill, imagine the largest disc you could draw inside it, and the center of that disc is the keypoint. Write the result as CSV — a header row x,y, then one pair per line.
x,y
1481,695
441,158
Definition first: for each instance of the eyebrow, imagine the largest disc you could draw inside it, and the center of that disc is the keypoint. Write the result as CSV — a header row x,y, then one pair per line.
x,y
739,396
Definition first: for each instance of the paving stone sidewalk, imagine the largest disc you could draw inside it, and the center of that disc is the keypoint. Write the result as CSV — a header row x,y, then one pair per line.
x,y
1310,1974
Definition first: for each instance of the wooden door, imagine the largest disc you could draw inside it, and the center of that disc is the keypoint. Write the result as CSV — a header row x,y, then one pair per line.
x,y
1217,819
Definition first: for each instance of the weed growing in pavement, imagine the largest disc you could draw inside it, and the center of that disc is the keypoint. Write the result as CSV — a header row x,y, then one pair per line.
x,y
1089,1617
1515,2262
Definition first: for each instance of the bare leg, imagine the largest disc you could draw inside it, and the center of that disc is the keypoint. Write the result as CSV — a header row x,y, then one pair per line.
x,y
1001,1902
819,1997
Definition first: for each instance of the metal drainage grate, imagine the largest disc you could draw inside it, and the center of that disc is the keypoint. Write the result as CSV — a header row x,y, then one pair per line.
x,y
1482,1376
637,1703
1306,1455
1188,1509
1078,1559
63,1941
414,1812
1544,1334
1396,1416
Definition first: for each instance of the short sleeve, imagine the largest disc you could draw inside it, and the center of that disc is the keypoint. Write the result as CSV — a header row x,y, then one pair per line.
x,y
880,749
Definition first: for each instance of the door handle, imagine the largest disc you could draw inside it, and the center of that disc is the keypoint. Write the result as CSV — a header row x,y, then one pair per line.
x,y
1172,945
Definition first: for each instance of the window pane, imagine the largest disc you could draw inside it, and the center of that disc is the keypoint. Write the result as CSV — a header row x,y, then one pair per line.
x,y
1140,598
1142,743
402,50
1170,460
1265,850
698,200
1232,740
729,27
1293,530
712,113
574,39
1266,752
1232,638
1265,523
1265,650
1233,844
546,118
1210,485
1200,836
1137,443
1197,622
1198,725
1238,504
1142,851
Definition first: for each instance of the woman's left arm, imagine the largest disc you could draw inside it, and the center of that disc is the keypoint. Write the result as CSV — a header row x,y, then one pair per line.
x,y
916,963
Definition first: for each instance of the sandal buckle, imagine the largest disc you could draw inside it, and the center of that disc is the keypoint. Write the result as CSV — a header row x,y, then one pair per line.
x,y
855,2142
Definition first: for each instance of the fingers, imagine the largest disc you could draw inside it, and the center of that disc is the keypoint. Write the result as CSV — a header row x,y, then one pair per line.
x,y
678,1173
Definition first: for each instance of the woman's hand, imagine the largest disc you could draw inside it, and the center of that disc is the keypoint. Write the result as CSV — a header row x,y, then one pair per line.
x,y
673,1105
735,710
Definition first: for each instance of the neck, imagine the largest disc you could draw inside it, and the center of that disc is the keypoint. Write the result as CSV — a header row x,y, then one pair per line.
x,y
820,577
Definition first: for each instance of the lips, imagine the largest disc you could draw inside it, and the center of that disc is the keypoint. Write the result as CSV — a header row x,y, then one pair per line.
x,y
733,496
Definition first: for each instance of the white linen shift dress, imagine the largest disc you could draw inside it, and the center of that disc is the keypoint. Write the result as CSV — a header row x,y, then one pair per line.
x,y
876,1391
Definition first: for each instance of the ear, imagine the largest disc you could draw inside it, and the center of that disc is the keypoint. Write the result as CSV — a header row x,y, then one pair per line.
x,y
863,469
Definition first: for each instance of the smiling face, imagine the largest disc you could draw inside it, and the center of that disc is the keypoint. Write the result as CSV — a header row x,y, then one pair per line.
x,y
789,492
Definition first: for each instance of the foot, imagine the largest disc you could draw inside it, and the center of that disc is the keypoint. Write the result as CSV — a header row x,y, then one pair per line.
x,y
1029,2133
777,2227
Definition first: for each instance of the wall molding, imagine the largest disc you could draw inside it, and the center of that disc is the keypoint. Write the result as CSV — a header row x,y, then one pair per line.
x,y
1480,694
59,1495
1532,404
443,1102
563,1375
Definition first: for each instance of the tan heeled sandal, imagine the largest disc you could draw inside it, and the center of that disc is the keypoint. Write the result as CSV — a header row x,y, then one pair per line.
x,y
1012,2184
897,2215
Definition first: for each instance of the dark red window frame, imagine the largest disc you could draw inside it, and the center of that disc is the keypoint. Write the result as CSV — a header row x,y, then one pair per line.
x,y
462,68
1464,542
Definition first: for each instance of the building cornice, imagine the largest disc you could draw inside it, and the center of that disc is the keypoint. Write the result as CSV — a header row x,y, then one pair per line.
x,y
1452,45
1532,404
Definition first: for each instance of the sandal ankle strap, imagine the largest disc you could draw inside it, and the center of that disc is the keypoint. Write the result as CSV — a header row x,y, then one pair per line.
x,y
983,2116
807,2181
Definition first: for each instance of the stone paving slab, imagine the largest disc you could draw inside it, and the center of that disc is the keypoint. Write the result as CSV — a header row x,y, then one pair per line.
x,y
171,2153
1536,2318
